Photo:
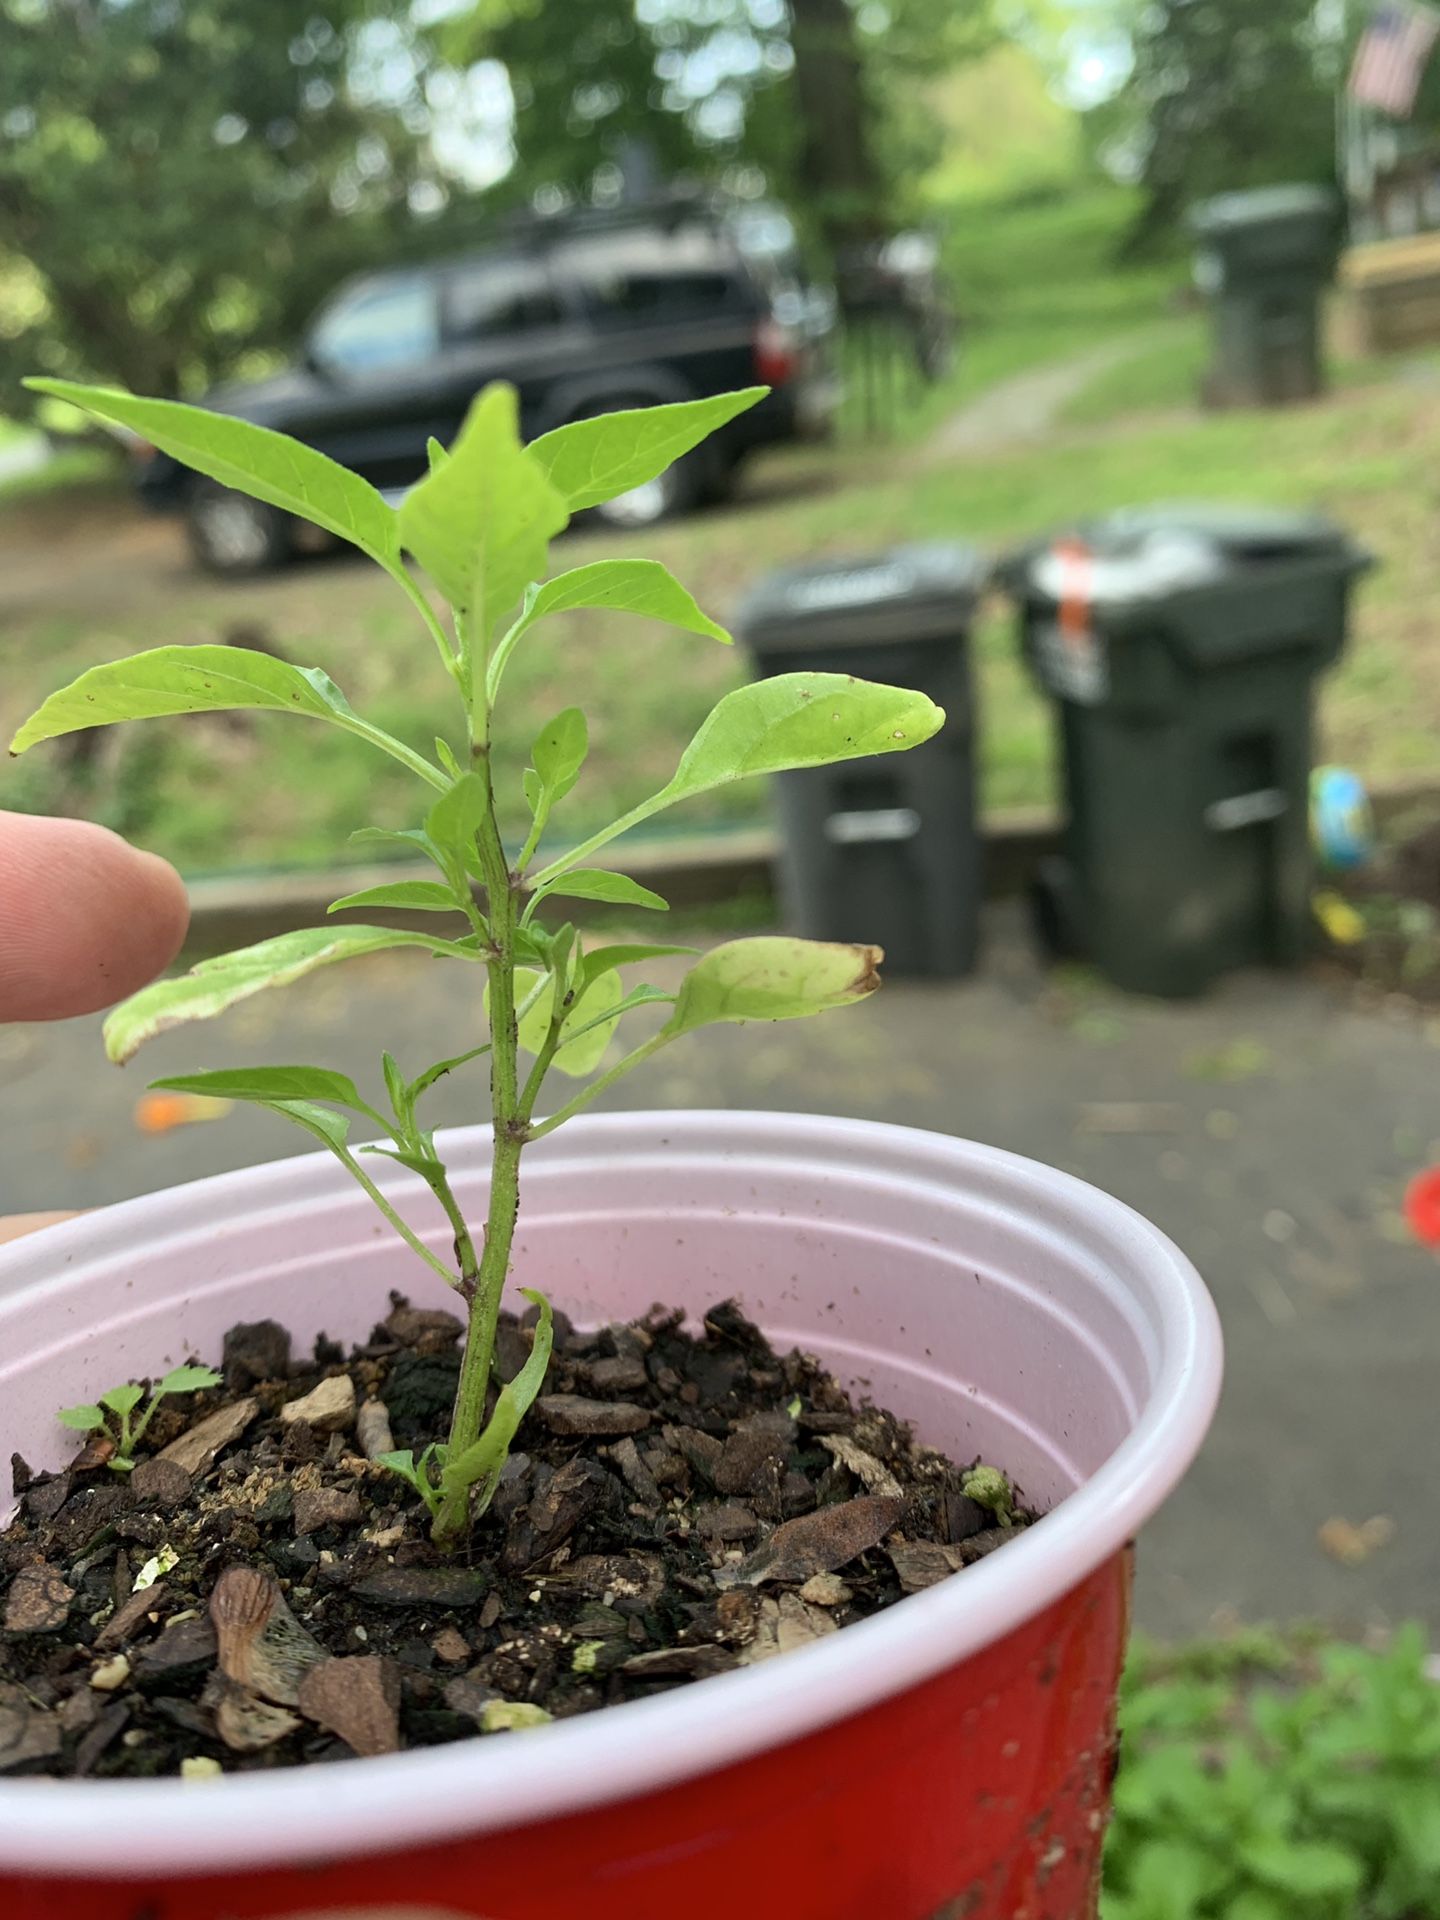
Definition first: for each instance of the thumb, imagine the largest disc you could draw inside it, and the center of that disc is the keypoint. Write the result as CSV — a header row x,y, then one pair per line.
x,y
84,918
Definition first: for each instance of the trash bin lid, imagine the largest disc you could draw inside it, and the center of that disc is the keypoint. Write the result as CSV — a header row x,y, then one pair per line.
x,y
1145,553
910,592
1258,206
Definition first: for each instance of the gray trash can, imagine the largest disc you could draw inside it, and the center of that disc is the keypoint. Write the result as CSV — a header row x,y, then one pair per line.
x,y
883,850
1263,260
1180,646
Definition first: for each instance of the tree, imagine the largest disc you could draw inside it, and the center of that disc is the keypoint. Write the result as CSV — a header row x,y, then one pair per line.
x,y
822,98
182,180
591,103
1223,94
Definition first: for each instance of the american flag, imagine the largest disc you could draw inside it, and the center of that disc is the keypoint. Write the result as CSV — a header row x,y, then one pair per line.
x,y
1391,55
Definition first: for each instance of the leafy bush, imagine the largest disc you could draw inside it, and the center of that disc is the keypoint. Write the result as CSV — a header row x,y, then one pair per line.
x,y
1313,1795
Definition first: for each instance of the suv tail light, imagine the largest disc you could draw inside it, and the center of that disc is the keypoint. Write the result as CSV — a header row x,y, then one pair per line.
x,y
777,354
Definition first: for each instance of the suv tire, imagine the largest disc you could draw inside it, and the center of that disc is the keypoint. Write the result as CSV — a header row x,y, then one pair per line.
x,y
233,535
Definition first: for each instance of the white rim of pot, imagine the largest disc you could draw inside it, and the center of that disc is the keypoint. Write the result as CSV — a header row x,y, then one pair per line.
x,y
255,1820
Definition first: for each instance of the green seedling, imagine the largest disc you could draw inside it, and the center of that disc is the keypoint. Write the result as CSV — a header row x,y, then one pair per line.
x,y
112,1413
988,1487
479,525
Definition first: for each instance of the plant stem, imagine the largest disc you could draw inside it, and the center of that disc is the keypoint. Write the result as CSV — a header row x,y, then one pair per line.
x,y
469,1411
587,1094
465,1258
406,1233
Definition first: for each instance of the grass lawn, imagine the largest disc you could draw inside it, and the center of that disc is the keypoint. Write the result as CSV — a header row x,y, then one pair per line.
x,y
82,578
1031,280
85,578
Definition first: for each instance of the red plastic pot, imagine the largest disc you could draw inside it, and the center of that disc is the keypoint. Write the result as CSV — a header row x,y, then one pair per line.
x,y
949,1758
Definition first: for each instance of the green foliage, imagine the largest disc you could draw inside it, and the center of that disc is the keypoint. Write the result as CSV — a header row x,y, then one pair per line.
x,y
772,978
171,680
283,472
112,1415
481,523
774,726
1312,1800
1221,96
598,883
213,985
184,183
592,461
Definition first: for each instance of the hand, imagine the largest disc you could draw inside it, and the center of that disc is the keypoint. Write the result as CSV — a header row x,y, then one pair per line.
x,y
84,918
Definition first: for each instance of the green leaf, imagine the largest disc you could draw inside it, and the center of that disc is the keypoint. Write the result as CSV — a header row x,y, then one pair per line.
x,y
1253,1903
331,1129
774,726
188,1380
415,837
481,522
268,465
396,1087
642,587
1172,1877
122,1400
800,720
265,1084
425,1164
171,680
83,1419
772,978
604,958
533,788
415,896
598,883
482,1461
213,985
455,818
403,1463
559,753
592,461
446,755
1305,1869
599,1016
435,454
426,1080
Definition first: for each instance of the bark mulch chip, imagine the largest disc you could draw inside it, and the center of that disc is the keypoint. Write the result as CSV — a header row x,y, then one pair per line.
x,y
259,1592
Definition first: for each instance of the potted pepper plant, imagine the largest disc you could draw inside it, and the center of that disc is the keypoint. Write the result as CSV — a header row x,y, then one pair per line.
x,y
804,1589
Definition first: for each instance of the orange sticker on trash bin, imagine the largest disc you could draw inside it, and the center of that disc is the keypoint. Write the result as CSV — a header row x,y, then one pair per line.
x,y
1069,652
1077,578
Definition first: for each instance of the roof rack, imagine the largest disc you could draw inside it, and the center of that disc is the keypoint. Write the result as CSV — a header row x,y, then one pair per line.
x,y
675,208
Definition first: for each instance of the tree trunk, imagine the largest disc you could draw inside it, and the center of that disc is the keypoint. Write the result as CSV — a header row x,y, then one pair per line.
x,y
838,171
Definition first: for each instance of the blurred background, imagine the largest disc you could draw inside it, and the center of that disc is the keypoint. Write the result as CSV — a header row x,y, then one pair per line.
x,y
1163,906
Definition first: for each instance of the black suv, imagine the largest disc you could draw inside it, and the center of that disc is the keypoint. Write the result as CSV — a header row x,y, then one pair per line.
x,y
583,315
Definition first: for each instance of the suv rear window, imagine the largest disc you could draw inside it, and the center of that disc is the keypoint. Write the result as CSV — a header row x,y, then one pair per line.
x,y
637,277
498,294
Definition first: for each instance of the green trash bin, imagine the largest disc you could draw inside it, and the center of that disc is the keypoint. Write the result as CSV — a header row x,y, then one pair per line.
x,y
1180,646
885,850
1263,259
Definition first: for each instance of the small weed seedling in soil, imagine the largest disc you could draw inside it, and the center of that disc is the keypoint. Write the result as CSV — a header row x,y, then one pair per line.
x,y
480,526
116,1434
